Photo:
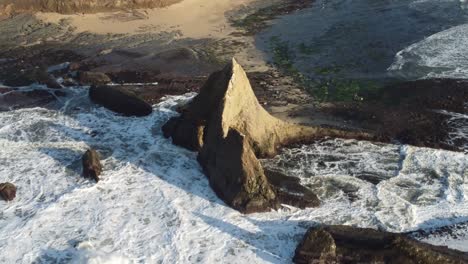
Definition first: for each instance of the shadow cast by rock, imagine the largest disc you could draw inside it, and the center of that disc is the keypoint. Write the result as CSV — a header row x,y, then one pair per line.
x,y
272,253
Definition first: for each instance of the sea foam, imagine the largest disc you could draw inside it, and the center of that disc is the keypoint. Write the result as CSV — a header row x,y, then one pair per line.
x,y
155,205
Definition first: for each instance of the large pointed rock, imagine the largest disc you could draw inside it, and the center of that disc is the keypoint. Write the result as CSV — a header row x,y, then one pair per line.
x,y
230,129
227,101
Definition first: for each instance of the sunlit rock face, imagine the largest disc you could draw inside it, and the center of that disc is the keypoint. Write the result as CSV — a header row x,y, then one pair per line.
x,y
230,129
11,7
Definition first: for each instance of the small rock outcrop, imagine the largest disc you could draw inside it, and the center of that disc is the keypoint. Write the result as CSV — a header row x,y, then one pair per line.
x,y
7,191
345,244
92,167
119,100
230,129
93,78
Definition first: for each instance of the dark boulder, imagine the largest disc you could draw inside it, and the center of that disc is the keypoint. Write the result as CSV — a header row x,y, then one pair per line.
x,y
119,100
92,167
93,78
7,191
345,244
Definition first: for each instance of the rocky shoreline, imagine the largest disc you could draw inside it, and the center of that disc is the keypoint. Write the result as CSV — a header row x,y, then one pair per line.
x,y
231,129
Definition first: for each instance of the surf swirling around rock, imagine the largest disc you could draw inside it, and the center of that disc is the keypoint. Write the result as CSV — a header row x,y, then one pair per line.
x,y
230,129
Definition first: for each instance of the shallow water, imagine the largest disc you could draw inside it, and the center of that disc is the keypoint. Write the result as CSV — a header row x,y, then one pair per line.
x,y
352,39
154,205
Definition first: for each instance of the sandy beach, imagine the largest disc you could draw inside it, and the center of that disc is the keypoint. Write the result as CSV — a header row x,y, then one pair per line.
x,y
193,18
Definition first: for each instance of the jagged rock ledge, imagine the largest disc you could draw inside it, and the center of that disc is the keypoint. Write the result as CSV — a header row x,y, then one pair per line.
x,y
346,244
230,129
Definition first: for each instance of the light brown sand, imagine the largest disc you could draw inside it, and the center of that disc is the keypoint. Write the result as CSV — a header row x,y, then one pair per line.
x,y
193,18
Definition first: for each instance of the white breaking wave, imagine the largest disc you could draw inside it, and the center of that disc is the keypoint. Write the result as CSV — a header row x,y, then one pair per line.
x,y
442,55
154,205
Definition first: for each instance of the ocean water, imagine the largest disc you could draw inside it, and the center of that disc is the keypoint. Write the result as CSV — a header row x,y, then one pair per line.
x,y
154,205
372,40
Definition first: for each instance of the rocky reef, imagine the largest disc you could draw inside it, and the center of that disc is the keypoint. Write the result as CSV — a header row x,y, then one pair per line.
x,y
230,129
345,244
10,7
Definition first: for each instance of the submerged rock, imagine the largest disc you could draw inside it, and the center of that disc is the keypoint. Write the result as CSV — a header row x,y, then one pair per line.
x,y
230,129
93,78
92,167
119,100
7,191
345,244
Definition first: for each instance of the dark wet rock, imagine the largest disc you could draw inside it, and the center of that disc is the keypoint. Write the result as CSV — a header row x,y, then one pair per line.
x,y
7,191
129,76
11,98
119,100
407,111
93,78
26,77
92,167
290,191
153,86
447,94
230,129
28,66
345,244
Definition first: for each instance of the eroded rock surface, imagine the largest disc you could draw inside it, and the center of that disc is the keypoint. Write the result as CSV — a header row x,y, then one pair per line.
x,y
345,244
229,128
7,191
92,167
